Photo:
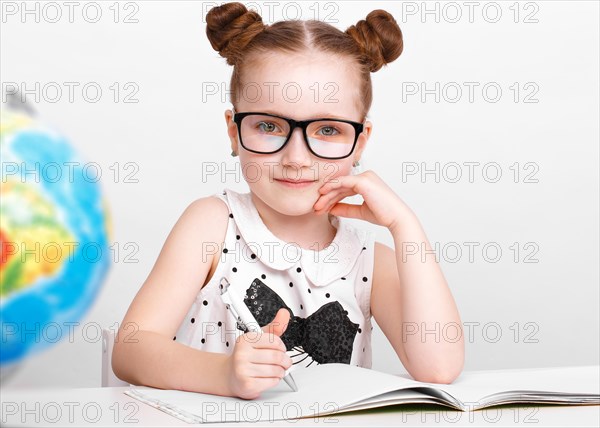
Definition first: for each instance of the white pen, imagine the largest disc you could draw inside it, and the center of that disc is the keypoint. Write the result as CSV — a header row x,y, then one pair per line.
x,y
245,319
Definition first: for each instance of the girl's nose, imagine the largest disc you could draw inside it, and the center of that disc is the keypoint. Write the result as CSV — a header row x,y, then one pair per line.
x,y
296,151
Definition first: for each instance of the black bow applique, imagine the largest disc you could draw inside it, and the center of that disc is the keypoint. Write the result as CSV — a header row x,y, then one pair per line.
x,y
327,335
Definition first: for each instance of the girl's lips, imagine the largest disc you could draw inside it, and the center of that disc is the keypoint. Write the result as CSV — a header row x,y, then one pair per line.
x,y
295,183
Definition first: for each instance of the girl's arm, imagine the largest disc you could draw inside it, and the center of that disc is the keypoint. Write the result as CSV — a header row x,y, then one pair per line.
x,y
413,305
160,362
145,352
410,298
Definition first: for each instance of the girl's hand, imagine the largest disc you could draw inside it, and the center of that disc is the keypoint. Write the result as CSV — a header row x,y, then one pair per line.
x,y
381,205
258,363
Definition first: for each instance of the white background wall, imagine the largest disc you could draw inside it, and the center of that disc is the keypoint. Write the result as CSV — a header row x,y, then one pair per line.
x,y
177,129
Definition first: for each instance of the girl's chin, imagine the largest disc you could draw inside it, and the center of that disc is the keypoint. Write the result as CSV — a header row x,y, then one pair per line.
x,y
292,203
294,207
296,210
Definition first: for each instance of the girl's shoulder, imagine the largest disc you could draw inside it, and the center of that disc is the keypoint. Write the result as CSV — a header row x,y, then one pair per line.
x,y
204,221
208,222
208,209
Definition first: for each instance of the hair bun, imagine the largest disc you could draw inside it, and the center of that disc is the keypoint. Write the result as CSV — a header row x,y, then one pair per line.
x,y
230,28
379,37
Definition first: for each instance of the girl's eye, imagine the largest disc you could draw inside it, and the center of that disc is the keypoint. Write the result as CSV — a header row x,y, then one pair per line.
x,y
267,126
328,131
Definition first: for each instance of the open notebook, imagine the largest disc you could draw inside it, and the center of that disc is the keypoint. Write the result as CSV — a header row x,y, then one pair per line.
x,y
336,388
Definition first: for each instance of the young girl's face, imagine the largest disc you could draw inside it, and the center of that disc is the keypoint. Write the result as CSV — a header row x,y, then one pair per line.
x,y
301,87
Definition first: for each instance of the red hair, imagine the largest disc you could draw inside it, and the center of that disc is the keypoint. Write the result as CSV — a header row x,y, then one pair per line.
x,y
238,34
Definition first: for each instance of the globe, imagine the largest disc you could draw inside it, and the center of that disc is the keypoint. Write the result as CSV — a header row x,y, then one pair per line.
x,y
54,238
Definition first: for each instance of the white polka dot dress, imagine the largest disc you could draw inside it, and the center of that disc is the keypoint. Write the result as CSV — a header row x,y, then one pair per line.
x,y
327,292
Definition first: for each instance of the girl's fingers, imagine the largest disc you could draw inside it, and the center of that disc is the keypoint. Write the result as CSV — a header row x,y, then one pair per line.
x,y
266,371
337,200
329,201
347,210
334,183
334,195
325,199
269,364
345,181
330,185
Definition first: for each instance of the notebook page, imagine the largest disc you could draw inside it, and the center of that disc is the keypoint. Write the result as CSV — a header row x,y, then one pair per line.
x,y
322,389
477,386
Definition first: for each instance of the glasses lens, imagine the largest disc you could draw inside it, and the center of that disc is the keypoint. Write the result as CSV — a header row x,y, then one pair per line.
x,y
326,138
330,138
263,133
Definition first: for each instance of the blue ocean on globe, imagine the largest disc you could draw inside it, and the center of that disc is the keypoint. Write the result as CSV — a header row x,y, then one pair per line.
x,y
55,236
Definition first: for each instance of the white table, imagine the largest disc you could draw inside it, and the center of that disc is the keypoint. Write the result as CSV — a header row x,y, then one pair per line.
x,y
108,407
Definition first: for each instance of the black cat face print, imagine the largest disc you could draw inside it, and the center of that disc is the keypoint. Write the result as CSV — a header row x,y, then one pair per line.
x,y
326,336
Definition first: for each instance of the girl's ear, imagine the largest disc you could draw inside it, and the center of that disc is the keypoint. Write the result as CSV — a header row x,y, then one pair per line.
x,y
361,143
231,130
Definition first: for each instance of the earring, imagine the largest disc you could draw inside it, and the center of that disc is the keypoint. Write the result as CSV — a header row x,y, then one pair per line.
x,y
233,153
355,168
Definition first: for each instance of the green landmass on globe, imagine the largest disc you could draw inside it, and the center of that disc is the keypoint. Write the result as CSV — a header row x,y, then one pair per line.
x,y
29,222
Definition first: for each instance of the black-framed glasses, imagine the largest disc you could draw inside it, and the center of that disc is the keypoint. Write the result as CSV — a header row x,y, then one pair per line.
x,y
326,138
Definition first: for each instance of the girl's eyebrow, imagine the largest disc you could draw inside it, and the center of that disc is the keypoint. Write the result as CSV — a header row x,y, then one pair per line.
x,y
314,116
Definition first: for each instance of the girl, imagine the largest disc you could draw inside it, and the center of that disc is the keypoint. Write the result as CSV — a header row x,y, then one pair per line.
x,y
310,278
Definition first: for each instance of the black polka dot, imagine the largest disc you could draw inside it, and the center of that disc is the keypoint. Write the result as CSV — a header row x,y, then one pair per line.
x,y
203,340
309,290
363,349
174,337
291,284
193,320
219,323
327,295
230,215
205,303
345,312
237,236
364,248
298,270
263,276
359,330
343,278
371,328
253,256
227,344
365,279
234,269
225,250
301,307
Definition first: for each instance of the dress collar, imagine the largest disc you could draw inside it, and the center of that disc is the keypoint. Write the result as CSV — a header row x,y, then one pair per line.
x,y
320,267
